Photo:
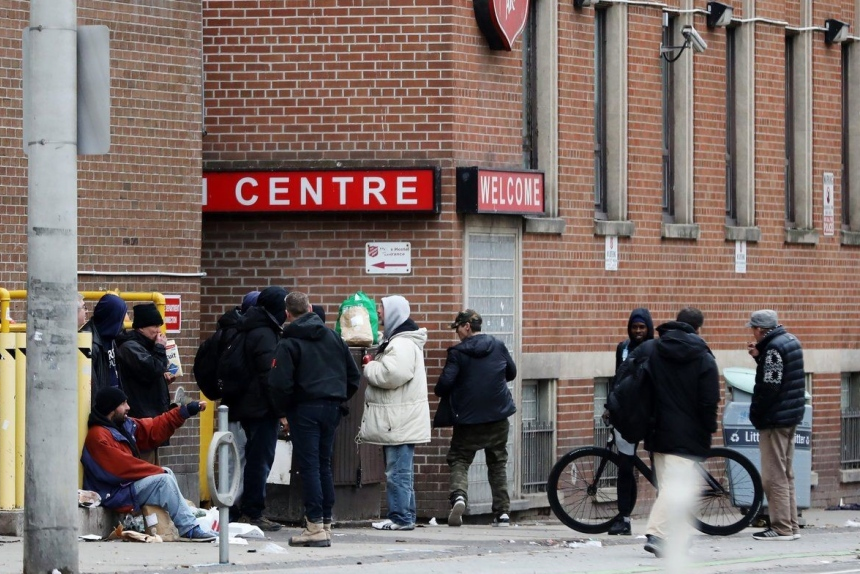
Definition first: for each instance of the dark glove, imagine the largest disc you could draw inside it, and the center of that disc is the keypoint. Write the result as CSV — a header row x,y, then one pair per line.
x,y
190,409
344,409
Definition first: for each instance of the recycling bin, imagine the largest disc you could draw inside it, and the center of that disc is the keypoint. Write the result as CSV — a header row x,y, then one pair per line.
x,y
739,434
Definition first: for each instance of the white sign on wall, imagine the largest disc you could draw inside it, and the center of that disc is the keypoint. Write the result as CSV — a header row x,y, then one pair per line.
x,y
740,256
389,257
611,254
829,217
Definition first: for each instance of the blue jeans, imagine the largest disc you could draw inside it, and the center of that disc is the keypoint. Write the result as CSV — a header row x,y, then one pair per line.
x,y
399,489
312,428
262,436
162,490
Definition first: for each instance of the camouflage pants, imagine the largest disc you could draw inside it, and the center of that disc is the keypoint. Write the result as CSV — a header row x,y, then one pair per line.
x,y
469,439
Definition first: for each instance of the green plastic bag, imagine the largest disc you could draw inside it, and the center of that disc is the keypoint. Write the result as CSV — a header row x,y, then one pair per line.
x,y
357,321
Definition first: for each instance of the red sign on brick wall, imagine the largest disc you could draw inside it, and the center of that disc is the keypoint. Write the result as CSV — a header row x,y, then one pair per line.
x,y
173,313
412,190
501,21
494,191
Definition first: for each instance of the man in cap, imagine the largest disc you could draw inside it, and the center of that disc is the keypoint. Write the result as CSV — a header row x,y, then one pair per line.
x,y
777,408
476,400
142,364
113,467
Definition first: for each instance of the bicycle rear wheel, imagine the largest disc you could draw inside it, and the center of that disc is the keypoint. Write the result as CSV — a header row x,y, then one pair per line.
x,y
730,493
582,489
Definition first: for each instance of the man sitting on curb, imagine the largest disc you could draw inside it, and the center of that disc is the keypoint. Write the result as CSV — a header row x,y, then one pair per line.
x,y
112,466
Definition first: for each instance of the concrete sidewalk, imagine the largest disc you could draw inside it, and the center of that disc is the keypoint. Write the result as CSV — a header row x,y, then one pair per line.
x,y
533,546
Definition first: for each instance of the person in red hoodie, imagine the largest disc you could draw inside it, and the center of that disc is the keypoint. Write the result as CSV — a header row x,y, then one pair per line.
x,y
113,467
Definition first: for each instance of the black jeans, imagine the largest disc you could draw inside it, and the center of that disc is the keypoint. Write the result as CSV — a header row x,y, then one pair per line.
x,y
312,428
626,484
262,437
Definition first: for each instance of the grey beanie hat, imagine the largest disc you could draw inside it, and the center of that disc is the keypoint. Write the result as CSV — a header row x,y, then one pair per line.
x,y
764,319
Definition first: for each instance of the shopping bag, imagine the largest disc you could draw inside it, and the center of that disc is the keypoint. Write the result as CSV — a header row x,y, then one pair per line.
x,y
357,321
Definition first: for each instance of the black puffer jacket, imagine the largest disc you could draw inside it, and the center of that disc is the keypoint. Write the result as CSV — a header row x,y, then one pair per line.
x,y
686,391
779,394
312,362
263,332
474,381
142,363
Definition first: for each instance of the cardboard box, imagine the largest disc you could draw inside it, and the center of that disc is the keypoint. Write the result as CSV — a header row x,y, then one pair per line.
x,y
157,521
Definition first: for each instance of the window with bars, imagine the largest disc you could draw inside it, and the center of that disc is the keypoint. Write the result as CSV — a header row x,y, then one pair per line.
x,y
538,430
850,436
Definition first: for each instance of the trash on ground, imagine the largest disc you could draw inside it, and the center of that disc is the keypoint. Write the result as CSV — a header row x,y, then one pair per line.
x,y
433,522
89,499
242,530
89,537
273,548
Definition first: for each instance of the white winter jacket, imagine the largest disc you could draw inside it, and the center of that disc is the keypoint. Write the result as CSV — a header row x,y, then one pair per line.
x,y
396,410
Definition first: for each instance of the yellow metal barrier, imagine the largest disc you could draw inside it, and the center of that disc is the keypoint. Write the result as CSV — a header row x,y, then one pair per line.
x,y
13,386
7,420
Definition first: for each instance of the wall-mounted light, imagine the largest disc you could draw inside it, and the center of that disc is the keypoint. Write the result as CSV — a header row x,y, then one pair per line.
x,y
583,3
835,31
719,14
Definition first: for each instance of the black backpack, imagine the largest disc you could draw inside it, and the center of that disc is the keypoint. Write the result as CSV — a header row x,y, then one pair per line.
x,y
631,401
220,364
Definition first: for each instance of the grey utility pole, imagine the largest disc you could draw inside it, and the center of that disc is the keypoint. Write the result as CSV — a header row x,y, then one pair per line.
x,y
50,495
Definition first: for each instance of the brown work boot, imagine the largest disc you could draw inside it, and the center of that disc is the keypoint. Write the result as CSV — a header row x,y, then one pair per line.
x,y
314,535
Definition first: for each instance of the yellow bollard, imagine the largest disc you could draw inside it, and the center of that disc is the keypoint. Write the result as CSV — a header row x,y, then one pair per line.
x,y
7,420
20,411
207,429
85,352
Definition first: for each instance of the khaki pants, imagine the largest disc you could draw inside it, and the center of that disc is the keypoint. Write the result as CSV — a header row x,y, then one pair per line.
x,y
676,482
777,478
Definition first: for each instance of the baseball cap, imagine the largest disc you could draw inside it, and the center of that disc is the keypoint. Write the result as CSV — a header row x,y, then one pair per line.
x,y
467,316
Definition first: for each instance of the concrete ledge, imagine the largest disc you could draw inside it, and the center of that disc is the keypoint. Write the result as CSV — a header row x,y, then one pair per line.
x,y
616,228
748,234
545,225
850,475
802,236
12,522
850,237
97,520
680,231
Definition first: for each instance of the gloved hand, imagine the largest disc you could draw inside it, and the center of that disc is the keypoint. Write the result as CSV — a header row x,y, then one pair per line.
x,y
192,408
366,359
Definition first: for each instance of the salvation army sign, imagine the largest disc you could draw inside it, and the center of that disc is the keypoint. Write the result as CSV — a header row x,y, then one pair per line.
x,y
355,190
501,21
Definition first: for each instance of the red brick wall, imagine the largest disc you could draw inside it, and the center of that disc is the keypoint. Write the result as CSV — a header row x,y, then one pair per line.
x,y
324,84
139,205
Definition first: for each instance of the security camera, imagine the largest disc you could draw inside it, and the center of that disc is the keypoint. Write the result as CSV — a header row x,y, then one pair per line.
x,y
697,42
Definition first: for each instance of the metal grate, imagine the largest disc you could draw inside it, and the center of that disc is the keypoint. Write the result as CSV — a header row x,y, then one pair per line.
x,y
850,439
537,457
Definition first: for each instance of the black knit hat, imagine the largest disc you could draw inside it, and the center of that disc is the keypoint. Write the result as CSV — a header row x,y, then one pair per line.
x,y
108,399
146,315
274,300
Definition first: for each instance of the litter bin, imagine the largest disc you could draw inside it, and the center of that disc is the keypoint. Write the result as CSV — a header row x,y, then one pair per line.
x,y
739,434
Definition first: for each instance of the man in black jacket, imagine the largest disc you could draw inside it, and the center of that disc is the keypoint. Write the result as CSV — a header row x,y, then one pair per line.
x,y
476,400
255,409
313,374
686,396
106,323
142,364
777,408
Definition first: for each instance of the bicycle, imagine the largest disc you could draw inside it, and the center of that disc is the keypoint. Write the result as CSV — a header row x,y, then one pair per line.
x,y
582,490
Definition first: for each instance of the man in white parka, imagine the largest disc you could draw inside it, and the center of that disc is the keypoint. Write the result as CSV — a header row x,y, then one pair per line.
x,y
396,410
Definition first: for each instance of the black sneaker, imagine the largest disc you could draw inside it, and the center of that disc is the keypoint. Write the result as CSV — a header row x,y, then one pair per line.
x,y
620,526
502,520
455,518
654,545
771,534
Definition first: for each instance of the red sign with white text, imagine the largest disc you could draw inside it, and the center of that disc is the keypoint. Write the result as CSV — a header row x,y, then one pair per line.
x,y
501,21
322,190
494,191
173,313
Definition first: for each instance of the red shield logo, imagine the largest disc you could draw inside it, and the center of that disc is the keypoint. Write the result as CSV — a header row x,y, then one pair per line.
x,y
501,21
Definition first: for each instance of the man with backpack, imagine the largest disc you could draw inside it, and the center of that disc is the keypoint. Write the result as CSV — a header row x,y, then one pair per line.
x,y
313,374
253,406
640,328
686,393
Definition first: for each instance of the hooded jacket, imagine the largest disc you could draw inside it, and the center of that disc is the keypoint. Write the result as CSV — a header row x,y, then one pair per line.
x,y
262,333
396,409
105,324
142,363
686,391
109,457
640,315
312,362
474,380
779,394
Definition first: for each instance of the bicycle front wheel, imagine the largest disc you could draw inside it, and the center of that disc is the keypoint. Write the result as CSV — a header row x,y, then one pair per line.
x,y
582,489
729,494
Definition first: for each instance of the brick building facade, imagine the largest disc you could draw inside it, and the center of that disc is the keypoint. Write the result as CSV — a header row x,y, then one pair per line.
x,y
652,179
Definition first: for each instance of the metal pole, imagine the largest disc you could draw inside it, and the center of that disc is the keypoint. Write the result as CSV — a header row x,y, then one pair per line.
x,y
224,479
50,499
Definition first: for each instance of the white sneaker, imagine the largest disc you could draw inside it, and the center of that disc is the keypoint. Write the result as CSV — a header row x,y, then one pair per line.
x,y
455,517
389,525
